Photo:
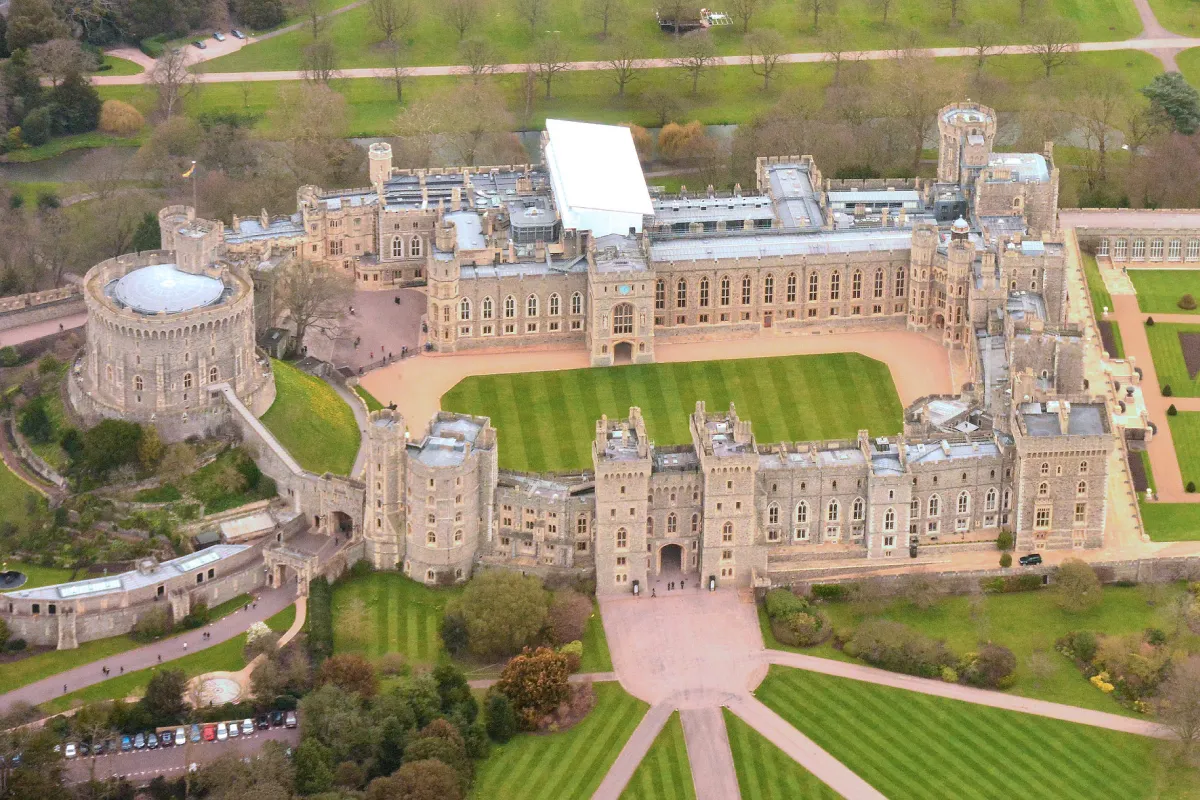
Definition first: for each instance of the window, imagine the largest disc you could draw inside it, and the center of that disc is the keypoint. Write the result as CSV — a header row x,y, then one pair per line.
x,y
622,539
681,294
649,526
137,383
1102,248
878,290
414,246
801,513
727,532
464,310
746,288
695,523
773,514
660,293
814,283
1081,489
1193,251
964,503
510,307
531,306
1174,248
856,285
577,303
1120,250
1139,249
187,380
458,537
935,505
724,291
769,289
431,538
832,511
1043,489
858,510
889,520
623,318
487,308
704,292
889,541
900,273
990,502
672,523
1041,518
727,555
1045,468
835,285
1083,468
335,247
581,525
397,248
213,374
1080,513
555,305
1156,249
791,287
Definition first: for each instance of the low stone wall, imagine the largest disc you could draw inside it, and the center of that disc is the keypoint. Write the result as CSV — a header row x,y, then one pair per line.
x,y
26,309
35,462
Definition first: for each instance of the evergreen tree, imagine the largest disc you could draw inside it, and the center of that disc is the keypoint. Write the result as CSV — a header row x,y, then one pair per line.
x,y
32,22
75,106
35,128
313,771
147,236
1176,101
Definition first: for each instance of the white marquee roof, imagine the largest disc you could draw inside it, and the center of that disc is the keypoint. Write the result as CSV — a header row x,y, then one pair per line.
x,y
596,167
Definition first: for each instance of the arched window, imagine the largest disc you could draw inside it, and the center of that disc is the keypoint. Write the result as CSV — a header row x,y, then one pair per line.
x,y
1045,468
727,531
1043,489
555,305
791,287
990,501
964,502
431,538
187,380
695,523
458,537
649,526
814,285
212,374
137,383
622,318
856,285
773,514
878,284
581,525
935,505
414,246
464,310
835,285
622,539
1081,489
833,511
747,287
1083,468
704,292
660,293
531,306
397,248
769,289
681,294
889,520
900,273
801,513
672,523
487,308
510,307
858,509
725,291
577,303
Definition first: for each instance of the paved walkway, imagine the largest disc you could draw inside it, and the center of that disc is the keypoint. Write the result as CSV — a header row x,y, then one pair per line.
x,y
633,752
713,773
267,604
38,330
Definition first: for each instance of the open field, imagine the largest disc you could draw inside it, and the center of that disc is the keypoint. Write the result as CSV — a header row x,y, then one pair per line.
x,y
664,773
431,41
1025,622
562,766
312,421
1179,16
546,420
1168,358
910,745
764,772
1159,290
385,612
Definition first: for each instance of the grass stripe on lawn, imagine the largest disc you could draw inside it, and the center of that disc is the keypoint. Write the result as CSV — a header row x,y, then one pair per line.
x,y
664,773
566,765
546,420
399,616
764,772
912,745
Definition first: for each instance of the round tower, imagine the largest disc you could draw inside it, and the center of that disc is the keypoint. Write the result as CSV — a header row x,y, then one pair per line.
x,y
967,132
380,157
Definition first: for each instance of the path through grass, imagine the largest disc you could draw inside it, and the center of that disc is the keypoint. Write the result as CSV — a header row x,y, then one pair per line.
x,y
764,772
546,420
312,421
664,773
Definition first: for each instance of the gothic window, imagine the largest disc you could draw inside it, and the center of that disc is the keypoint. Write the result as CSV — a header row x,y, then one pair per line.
x,y
990,502
935,505
446,313
397,248
814,282
681,294
414,246
704,292
964,503
900,272
832,511
773,514
801,513
878,284
137,383
791,287
1045,468
487,308
187,380
672,523
660,293
914,508
889,520
622,539
746,287
1083,468
510,307
769,289
623,318
555,305
859,509
1042,518
649,526
531,306
577,303
1043,489
464,310
835,285
1081,489
431,538
856,285
212,374
727,532
581,525
695,523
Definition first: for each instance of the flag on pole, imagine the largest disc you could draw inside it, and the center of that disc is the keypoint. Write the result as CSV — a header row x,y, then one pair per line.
x,y
191,169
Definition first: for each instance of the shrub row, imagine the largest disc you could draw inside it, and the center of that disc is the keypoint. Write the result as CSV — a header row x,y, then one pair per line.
x,y
1004,584
319,626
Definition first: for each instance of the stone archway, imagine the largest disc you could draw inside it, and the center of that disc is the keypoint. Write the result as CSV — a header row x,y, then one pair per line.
x,y
623,353
939,322
670,559
342,523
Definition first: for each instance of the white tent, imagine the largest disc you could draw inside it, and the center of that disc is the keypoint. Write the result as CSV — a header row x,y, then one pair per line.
x,y
596,177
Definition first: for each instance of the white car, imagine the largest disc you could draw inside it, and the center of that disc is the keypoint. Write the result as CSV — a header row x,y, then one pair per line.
x,y
180,736
222,732
233,730
69,752
247,727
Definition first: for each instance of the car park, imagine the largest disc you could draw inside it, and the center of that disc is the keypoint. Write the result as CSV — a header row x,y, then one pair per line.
x,y
247,727
139,741
1031,560
152,741
180,736
290,720
195,733
220,37
264,722
222,732
238,34
234,730
210,733
69,751
126,744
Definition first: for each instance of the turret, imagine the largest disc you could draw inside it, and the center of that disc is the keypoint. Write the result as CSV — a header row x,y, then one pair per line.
x,y
379,155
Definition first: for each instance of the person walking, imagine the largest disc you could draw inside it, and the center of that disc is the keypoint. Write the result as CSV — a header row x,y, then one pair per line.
x,y
185,645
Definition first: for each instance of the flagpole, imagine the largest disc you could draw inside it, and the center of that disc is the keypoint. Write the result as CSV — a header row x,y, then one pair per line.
x,y
195,205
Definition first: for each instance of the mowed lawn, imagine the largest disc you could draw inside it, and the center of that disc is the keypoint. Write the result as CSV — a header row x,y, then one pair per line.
x,y
385,612
1185,433
1163,338
664,773
1167,522
312,421
764,772
547,420
910,745
562,766
1159,290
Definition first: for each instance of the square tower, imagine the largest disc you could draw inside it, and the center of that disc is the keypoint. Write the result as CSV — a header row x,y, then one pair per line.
x,y
620,303
621,456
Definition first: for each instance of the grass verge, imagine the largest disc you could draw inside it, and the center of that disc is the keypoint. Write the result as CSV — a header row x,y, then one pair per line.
x,y
312,421
764,772
368,398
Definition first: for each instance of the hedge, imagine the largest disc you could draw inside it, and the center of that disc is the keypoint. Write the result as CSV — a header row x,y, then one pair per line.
x,y
319,626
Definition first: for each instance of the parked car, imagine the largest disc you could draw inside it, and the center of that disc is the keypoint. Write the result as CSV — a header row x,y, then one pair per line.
x,y
84,749
199,45
167,739
69,752
126,744
180,736
139,741
210,733
276,719
247,727
1033,559
152,741
110,746
220,37
290,720
238,34
233,730
264,722
222,732
195,733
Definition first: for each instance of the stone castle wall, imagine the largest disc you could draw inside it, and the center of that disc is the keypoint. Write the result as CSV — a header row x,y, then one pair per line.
x,y
26,309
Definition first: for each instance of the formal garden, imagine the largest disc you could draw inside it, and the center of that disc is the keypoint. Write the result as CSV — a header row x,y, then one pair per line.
x,y
1166,291
1175,349
546,420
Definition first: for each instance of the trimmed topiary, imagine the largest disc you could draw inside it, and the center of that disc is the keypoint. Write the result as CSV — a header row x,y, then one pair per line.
x,y
1006,560
1166,390
1187,303
1190,488
1171,410
1149,322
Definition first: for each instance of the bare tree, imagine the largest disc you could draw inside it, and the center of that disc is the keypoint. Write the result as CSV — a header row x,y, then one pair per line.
x,y
984,37
531,12
766,49
673,12
172,80
1097,105
663,104
392,16
479,57
953,8
605,12
470,119
91,722
58,58
1055,43
695,56
551,58
314,12
913,90
529,82
745,10
884,7
621,60
461,15
835,43
398,72
815,8
318,61
1179,702
53,245
1024,7
310,121
314,298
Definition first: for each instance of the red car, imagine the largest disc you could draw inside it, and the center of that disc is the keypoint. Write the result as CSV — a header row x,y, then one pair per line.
x,y
210,733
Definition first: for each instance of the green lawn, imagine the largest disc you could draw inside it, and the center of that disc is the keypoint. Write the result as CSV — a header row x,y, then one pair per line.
x,y
119,66
1189,60
910,745
1023,622
430,41
1101,299
368,398
596,657
764,772
664,773
39,576
562,766
1159,290
14,494
204,486
546,420
79,141
1171,522
1168,357
1185,432
1179,16
312,421
223,657
398,615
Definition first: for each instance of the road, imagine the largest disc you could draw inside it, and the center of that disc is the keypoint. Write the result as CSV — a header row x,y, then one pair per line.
x,y
140,766
36,330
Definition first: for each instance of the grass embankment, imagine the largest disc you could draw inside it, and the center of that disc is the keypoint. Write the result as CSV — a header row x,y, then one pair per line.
x,y
1101,300
764,772
368,398
562,766
430,40
312,421
15,497
664,773
910,745
1024,622
546,420
79,141
1169,363
1159,290
118,66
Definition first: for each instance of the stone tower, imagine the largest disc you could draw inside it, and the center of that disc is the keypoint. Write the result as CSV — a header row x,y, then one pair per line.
x,y
383,523
966,132
620,303
379,155
195,241
621,457
960,258
920,285
442,267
